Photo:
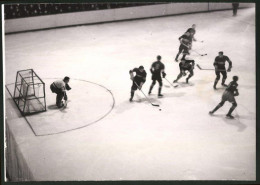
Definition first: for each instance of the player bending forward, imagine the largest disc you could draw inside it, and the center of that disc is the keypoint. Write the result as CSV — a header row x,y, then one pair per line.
x,y
185,65
138,80
185,45
59,87
219,65
229,95
157,69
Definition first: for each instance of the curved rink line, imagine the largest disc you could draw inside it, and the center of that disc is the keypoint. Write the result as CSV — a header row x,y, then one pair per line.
x,y
91,123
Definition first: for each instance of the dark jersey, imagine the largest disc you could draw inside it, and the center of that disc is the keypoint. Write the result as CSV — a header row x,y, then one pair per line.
x,y
139,75
157,67
191,30
186,39
220,61
232,87
186,64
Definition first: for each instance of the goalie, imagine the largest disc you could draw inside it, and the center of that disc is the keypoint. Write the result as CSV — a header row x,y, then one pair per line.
x,y
59,87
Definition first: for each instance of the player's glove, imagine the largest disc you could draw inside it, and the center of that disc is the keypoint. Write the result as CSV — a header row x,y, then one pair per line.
x,y
163,74
151,71
140,86
229,69
65,97
67,87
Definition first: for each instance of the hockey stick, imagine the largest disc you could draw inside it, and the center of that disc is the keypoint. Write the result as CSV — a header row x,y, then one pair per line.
x,y
203,69
207,69
171,83
198,52
146,96
65,104
195,51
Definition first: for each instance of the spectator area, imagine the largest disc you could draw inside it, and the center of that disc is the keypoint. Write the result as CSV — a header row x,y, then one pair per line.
x,y
29,17
27,10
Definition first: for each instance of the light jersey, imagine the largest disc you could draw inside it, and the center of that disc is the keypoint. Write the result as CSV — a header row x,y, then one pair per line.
x,y
220,61
60,84
157,66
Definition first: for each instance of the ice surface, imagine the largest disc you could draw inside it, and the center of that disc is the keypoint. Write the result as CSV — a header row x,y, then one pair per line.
x,y
136,141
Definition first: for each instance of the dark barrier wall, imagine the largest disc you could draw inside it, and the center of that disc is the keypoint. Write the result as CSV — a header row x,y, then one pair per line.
x,y
108,15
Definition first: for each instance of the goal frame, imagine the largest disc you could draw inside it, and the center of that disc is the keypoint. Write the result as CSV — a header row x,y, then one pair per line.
x,y
19,96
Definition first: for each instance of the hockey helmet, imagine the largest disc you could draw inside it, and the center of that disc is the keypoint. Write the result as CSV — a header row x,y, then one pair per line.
x,y
235,78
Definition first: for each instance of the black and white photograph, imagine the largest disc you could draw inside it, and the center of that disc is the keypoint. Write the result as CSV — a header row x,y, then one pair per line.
x,y
129,91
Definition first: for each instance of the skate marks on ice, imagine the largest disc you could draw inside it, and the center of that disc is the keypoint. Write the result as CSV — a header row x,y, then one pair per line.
x,y
179,85
184,84
137,100
88,103
233,122
173,94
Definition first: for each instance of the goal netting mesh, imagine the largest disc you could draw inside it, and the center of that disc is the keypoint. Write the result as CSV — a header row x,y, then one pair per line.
x,y
29,92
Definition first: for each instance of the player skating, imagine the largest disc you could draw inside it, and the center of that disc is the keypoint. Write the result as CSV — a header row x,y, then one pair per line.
x,y
157,69
235,7
185,45
59,87
192,32
219,65
229,95
185,65
138,80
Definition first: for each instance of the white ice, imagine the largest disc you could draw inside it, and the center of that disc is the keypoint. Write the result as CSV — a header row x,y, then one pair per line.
x,y
136,141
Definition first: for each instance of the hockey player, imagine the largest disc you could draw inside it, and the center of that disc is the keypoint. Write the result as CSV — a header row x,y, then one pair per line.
x,y
185,45
229,95
192,32
219,65
59,87
157,69
185,65
235,7
138,80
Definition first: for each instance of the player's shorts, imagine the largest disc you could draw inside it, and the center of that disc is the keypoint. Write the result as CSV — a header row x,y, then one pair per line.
x,y
187,67
183,49
157,77
228,96
224,73
55,89
136,82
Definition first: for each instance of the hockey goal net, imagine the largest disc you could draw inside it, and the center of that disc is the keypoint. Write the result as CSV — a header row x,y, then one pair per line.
x,y
29,92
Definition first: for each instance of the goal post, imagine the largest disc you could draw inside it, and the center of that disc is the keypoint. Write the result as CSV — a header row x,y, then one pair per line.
x,y
29,92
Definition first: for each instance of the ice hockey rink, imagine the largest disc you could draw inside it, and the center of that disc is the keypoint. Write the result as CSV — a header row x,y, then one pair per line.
x,y
101,135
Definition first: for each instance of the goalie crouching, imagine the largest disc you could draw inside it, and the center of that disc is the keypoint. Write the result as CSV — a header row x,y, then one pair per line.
x,y
59,87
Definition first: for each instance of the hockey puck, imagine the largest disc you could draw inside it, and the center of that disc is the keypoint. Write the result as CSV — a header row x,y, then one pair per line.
x,y
160,109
